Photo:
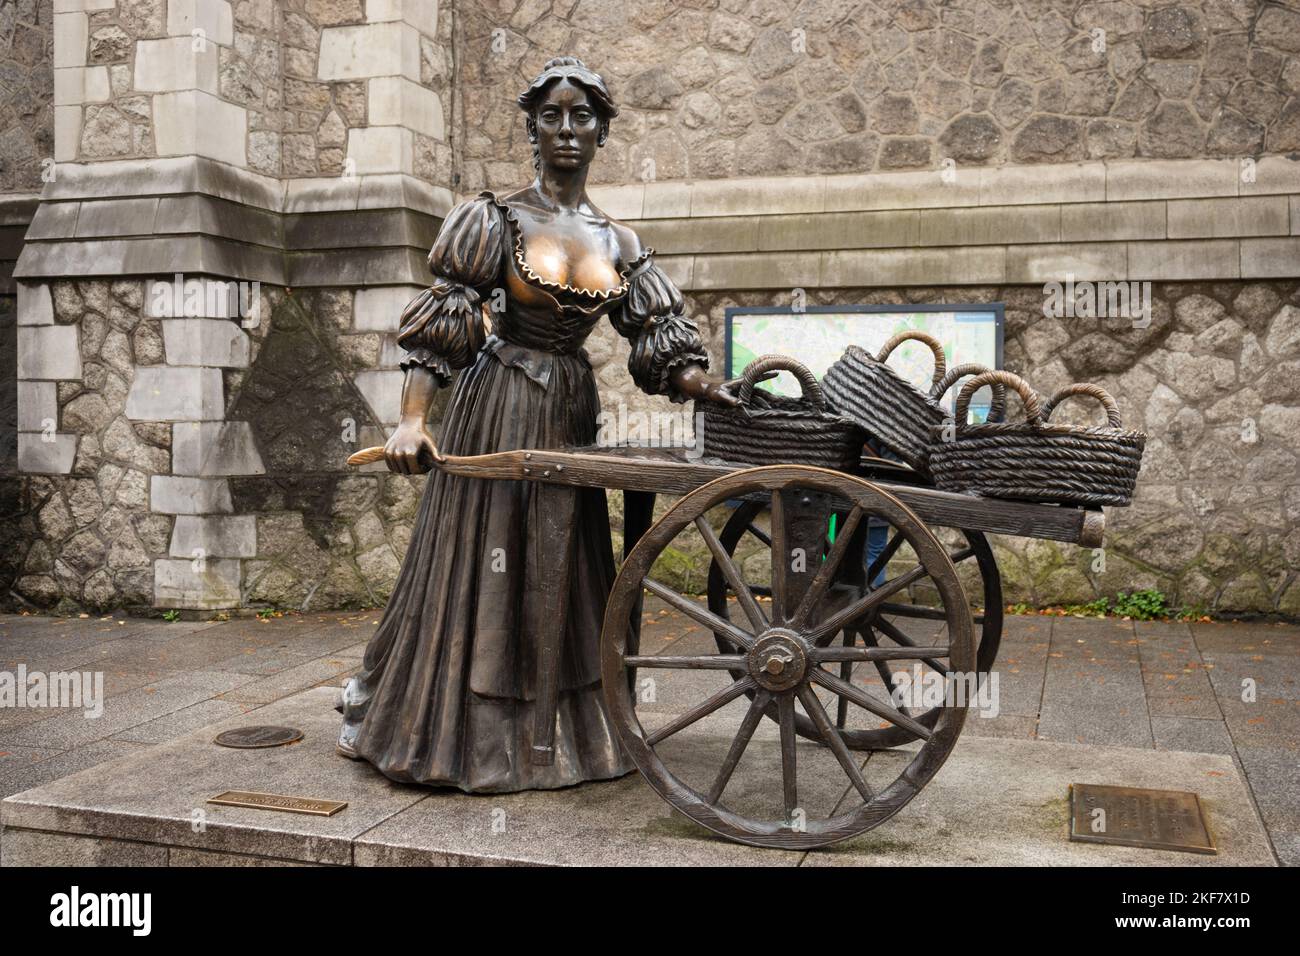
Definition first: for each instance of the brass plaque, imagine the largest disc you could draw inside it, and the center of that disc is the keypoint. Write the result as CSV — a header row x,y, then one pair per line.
x,y
274,801
256,737
1133,816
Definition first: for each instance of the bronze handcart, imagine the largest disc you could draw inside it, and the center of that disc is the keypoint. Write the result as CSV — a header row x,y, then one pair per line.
x,y
793,647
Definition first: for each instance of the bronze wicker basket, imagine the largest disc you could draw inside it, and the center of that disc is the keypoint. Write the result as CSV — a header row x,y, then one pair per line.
x,y
767,429
1036,460
890,408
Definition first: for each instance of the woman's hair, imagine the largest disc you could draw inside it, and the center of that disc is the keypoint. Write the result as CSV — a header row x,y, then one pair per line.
x,y
575,71
572,69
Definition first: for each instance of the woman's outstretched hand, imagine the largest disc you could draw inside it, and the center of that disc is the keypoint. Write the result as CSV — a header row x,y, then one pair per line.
x,y
693,382
410,450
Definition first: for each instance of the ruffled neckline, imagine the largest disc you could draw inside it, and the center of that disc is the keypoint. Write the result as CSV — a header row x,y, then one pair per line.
x,y
626,274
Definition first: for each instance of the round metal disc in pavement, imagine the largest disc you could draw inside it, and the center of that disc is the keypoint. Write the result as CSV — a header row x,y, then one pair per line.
x,y
253,738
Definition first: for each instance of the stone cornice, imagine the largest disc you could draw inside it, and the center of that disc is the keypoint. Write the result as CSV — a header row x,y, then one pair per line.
x,y
16,211
1133,220
196,174
1100,181
199,216
1150,219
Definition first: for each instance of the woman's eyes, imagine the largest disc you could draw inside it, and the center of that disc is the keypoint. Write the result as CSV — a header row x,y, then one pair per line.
x,y
581,116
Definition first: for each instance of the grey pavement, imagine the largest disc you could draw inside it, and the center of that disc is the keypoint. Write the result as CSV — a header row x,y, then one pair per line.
x,y
1231,688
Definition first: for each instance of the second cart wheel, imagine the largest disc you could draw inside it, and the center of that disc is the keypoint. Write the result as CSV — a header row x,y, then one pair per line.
x,y
903,624
787,661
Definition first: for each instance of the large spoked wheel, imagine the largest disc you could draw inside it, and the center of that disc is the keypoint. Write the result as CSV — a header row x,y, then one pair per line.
x,y
784,660
896,621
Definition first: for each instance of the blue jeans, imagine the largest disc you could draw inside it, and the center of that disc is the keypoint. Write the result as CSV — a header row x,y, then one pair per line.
x,y
877,538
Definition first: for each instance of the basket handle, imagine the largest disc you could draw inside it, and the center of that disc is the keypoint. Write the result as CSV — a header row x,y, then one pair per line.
x,y
767,363
940,363
1089,390
1028,397
997,410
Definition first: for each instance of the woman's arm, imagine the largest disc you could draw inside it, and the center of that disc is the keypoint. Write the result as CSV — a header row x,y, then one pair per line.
x,y
411,449
442,328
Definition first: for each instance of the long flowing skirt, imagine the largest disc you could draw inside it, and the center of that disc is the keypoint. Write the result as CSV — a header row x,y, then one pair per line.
x,y
448,687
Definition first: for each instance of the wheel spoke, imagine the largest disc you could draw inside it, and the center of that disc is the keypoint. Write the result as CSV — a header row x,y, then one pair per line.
x,y
702,662
882,666
698,613
759,533
931,653
914,610
846,673
785,710
957,557
829,566
917,610
701,710
885,556
780,557
834,741
867,702
825,655
862,605
732,574
747,727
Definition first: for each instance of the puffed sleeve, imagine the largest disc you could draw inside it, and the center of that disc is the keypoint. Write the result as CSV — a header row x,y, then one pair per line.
x,y
442,328
653,319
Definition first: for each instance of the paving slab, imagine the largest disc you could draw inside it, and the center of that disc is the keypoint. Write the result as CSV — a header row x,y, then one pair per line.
x,y
116,684
1265,675
1006,802
1095,700
183,721
122,711
62,764
1191,733
1021,667
14,755
159,794
1273,771
1243,637
16,627
995,801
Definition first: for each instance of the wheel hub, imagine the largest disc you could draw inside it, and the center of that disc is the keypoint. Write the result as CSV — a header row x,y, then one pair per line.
x,y
778,660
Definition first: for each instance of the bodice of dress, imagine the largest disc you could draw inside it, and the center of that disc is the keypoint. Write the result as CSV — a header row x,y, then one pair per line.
x,y
483,251
541,313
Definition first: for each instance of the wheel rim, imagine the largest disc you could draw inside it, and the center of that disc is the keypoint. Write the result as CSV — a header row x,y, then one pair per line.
x,y
988,625
782,661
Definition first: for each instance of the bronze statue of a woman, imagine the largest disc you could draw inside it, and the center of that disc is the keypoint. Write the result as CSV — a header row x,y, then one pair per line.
x,y
448,687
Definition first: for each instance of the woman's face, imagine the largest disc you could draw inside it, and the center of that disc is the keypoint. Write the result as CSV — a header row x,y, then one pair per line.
x,y
568,126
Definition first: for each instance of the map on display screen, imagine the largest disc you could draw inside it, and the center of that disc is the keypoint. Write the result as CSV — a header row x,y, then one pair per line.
x,y
818,335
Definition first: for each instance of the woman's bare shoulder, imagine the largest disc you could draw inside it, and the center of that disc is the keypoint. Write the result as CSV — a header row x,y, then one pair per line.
x,y
629,243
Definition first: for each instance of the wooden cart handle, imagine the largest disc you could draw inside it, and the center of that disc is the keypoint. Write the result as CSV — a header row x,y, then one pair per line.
x,y
997,410
940,362
1088,390
366,456
1030,399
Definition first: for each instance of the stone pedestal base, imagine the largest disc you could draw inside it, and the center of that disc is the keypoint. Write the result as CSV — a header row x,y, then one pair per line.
x,y
996,801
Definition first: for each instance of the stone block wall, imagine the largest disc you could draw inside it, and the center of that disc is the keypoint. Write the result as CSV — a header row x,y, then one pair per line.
x,y
26,94
724,88
293,88
204,456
